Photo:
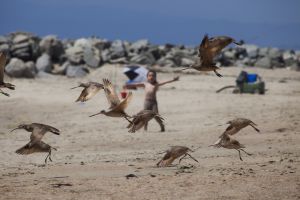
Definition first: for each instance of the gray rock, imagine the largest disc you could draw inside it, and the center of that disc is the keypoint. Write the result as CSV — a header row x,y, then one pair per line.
x,y
263,52
91,56
117,50
252,50
264,62
275,53
75,55
53,47
44,63
17,68
186,62
229,55
139,46
105,55
144,58
76,71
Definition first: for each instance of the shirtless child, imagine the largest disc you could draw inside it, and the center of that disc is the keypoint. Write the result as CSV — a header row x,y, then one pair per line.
x,y
151,87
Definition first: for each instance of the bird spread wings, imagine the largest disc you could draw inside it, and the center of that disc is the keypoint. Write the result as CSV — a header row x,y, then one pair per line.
x,y
110,93
30,148
39,131
124,103
204,53
2,65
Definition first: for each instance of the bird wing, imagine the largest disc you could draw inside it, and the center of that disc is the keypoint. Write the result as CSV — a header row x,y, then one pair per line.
x,y
166,160
2,66
110,93
124,103
204,53
216,44
30,148
39,131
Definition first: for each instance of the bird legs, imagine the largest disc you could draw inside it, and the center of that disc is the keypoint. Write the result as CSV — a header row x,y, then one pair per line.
x,y
219,75
187,154
49,155
239,150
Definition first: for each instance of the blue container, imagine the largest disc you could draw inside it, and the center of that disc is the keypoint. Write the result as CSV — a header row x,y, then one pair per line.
x,y
251,78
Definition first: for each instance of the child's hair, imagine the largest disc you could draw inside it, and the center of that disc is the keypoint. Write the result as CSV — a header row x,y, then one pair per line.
x,y
154,73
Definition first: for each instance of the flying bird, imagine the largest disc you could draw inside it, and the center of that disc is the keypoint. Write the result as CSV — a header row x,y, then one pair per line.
x,y
239,123
36,144
89,91
141,119
173,153
117,107
229,143
2,83
208,49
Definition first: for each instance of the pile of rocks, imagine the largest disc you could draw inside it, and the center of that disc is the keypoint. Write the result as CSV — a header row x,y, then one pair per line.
x,y
30,55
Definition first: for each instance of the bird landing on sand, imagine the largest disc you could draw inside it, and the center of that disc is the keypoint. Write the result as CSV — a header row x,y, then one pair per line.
x,y
229,143
141,119
117,107
239,123
89,91
36,145
173,153
2,83
208,49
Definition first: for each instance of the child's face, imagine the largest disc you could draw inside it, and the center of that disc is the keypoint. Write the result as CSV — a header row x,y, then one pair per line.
x,y
151,77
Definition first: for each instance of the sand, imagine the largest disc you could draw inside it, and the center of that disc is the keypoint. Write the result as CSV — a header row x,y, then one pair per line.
x,y
95,154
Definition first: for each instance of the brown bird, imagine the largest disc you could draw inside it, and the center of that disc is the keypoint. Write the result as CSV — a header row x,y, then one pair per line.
x,y
2,83
89,91
35,144
229,143
237,124
117,107
207,50
173,153
141,119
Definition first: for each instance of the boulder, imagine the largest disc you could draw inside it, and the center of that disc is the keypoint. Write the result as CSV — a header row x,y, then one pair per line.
x,y
75,55
252,50
44,63
264,62
76,71
117,50
17,68
52,46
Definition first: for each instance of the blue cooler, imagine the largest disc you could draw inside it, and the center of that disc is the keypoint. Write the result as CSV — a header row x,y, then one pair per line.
x,y
251,78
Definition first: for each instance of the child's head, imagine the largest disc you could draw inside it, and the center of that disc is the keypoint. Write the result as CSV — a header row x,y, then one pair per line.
x,y
151,76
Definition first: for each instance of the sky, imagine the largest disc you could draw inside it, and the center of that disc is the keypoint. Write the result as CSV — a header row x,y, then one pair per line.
x,y
273,23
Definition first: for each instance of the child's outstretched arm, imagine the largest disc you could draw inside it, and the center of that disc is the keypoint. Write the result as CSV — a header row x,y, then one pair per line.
x,y
133,85
170,81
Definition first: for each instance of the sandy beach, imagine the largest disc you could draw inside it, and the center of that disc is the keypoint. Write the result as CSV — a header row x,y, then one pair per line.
x,y
95,154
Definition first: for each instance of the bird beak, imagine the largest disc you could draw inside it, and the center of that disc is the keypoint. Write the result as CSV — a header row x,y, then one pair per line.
x,y
15,129
74,87
95,114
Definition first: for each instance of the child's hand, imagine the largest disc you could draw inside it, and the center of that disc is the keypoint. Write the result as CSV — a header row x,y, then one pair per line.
x,y
176,78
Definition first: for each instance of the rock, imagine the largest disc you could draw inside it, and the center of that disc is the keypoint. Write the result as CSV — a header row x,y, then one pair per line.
x,y
264,62
76,71
105,55
263,52
91,57
252,50
139,46
17,68
75,55
44,63
24,46
144,59
229,55
117,50
164,62
289,58
186,62
274,53
53,47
